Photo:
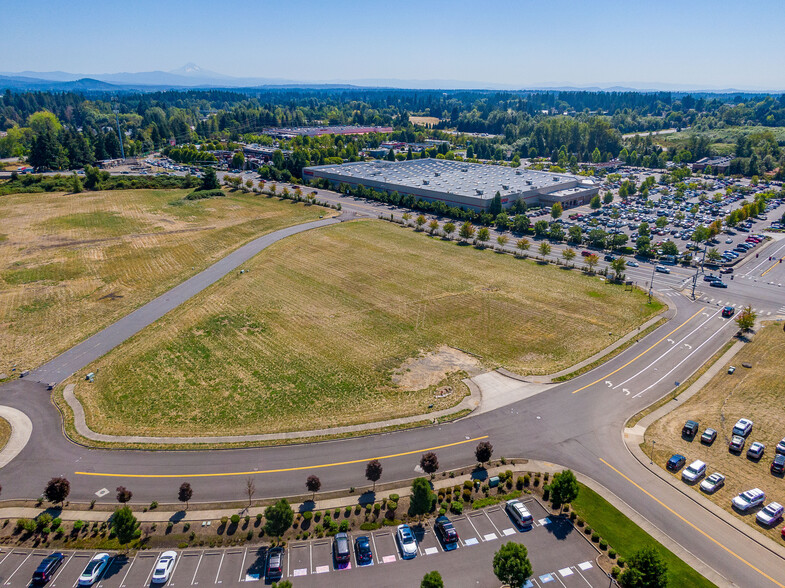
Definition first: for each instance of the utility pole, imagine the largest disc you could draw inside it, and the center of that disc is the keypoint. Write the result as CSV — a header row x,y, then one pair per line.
x,y
116,110
699,270
651,284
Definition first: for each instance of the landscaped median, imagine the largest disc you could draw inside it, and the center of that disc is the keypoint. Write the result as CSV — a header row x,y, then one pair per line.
x,y
352,323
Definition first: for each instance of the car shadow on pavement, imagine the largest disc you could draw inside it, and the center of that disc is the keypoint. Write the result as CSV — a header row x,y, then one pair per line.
x,y
256,567
560,527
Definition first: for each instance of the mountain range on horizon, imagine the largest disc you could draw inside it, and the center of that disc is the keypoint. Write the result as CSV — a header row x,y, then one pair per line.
x,y
191,76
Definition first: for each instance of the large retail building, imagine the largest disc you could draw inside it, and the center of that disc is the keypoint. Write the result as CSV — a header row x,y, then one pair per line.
x,y
456,183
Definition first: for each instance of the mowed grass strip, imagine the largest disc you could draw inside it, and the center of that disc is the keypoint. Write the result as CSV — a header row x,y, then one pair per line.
x,y
626,538
70,264
756,393
310,336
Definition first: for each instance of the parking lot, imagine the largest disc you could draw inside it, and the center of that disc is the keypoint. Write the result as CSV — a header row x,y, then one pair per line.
x,y
558,553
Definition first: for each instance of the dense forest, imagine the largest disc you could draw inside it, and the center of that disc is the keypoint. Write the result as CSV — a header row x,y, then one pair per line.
x,y
69,130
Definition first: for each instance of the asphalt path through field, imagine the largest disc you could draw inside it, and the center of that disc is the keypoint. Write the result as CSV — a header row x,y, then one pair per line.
x,y
577,424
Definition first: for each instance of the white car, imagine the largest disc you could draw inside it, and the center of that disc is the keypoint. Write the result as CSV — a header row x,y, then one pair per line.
x,y
693,472
163,569
743,427
95,567
662,269
749,499
713,483
406,541
770,514
519,513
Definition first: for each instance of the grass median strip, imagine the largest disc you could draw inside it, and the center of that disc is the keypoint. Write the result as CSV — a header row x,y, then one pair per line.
x,y
352,323
626,537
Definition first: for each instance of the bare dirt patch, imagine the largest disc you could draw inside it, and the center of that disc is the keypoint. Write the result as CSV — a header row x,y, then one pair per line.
x,y
431,368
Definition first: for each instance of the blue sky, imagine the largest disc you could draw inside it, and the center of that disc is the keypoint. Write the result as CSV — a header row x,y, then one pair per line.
x,y
692,43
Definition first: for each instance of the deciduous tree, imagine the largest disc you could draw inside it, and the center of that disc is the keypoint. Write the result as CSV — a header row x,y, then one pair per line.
x,y
373,472
511,564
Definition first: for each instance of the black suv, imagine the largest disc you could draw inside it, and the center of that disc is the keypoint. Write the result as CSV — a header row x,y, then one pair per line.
x,y
690,429
274,568
341,551
446,532
47,568
778,465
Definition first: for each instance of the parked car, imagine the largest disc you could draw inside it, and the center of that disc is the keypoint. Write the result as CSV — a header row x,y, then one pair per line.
x,y
742,427
726,270
732,369
274,568
586,253
694,472
446,533
778,465
46,569
341,552
690,429
363,551
728,311
95,567
163,568
631,263
749,499
771,514
737,444
609,257
756,450
675,462
713,483
519,514
708,437
406,541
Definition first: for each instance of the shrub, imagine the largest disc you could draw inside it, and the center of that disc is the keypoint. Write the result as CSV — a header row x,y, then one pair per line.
x,y
337,512
370,526
621,561
200,194
153,505
467,485
392,505
316,516
603,544
595,537
573,515
344,526
520,483
545,476
456,508
224,520
249,535
615,571
247,519
536,482
169,526
377,507
368,508
442,511
587,530
307,515
235,519
546,492
78,525
57,522
612,553
467,495
186,526
347,512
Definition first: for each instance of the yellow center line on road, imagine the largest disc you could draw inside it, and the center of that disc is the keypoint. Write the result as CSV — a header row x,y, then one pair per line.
x,y
295,469
701,531
642,353
771,268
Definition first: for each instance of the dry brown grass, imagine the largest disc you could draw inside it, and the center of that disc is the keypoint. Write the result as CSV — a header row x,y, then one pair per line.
x,y
5,432
311,336
424,120
755,393
71,264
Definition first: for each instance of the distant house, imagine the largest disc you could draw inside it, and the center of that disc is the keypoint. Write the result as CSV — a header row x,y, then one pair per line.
x,y
717,164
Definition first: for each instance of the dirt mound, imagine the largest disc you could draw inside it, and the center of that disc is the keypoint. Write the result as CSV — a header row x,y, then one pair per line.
x,y
429,369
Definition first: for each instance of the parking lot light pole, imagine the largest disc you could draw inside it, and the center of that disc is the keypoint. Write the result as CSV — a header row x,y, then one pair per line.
x,y
651,457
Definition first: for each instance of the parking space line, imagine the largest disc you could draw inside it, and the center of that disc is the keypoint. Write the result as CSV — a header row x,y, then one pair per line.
x,y
6,555
310,556
60,571
582,576
490,521
193,581
106,569
376,551
220,563
176,563
122,582
469,518
8,583
147,581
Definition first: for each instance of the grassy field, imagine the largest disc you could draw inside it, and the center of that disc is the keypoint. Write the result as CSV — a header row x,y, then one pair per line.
x,y
424,120
71,264
756,393
314,334
723,141
626,537
5,432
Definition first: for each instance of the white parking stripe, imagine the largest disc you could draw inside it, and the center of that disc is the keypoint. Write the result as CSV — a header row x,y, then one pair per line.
x,y
60,571
223,553
8,583
582,576
193,580
147,581
494,526
122,582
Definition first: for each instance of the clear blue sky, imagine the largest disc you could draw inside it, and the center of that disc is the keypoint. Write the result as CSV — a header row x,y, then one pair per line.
x,y
691,42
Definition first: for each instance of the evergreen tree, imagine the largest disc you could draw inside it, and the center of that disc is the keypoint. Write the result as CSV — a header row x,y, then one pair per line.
x,y
496,205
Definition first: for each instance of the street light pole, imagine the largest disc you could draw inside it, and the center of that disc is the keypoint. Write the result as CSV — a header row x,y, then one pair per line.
x,y
651,284
651,457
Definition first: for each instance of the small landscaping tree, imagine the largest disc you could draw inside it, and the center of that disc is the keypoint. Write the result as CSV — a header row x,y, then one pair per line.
x,y
279,518
564,487
466,231
483,451
313,483
57,490
429,462
422,497
124,494
746,319
250,488
185,493
511,564
432,580
373,472
545,248
449,229
483,235
124,525
645,569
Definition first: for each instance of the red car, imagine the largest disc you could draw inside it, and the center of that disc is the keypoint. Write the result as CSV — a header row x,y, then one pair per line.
x,y
586,253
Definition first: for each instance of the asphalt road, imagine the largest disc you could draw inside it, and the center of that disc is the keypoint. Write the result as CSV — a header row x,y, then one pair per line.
x,y
577,424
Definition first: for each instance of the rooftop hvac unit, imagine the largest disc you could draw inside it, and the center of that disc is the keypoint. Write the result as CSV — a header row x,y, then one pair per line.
x,y
555,178
517,172
479,192
426,182
463,169
528,182
506,186
437,174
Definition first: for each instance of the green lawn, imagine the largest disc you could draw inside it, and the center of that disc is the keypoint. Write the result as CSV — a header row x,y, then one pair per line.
x,y
626,537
